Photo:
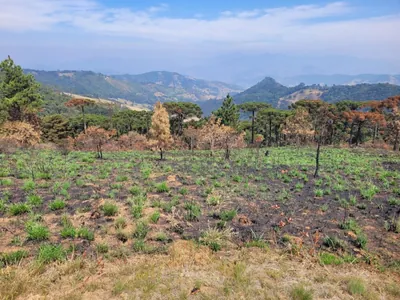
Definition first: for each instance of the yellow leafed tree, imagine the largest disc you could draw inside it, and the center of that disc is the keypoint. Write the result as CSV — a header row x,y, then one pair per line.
x,y
160,129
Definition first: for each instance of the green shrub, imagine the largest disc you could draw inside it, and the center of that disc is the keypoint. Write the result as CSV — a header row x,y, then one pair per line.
x,y
49,253
137,211
110,209
18,209
57,204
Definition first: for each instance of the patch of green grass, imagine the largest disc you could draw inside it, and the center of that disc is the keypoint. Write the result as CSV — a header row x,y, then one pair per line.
x,y
350,224
141,231
49,253
299,292
356,286
120,223
319,193
214,199
12,258
228,215
68,232
6,182
57,204
85,233
34,200
137,211
326,258
37,231
135,190
162,187
183,191
110,209
193,211
155,217
17,209
361,240
29,186
102,248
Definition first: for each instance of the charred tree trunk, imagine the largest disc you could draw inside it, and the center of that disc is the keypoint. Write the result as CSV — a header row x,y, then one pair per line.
x,y
351,134
270,133
396,141
358,137
161,154
317,158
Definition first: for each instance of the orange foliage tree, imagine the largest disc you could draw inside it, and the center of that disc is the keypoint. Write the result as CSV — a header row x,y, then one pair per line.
x,y
160,129
298,127
19,134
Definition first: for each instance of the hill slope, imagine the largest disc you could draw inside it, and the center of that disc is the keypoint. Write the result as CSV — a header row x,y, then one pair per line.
x,y
144,88
278,95
340,79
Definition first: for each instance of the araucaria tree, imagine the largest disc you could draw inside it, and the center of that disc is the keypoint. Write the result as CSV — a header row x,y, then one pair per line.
x,y
80,103
253,107
159,131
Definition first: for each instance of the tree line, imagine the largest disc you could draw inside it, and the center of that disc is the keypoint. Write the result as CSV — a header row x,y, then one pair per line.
x,y
24,122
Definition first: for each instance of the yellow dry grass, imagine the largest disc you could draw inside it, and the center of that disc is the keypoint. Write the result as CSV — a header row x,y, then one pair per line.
x,y
193,271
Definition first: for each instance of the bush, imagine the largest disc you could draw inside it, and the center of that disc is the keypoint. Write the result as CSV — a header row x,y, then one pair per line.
x,y
49,253
110,209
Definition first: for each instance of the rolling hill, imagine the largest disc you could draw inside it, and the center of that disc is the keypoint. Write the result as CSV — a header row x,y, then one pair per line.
x,y
280,96
145,88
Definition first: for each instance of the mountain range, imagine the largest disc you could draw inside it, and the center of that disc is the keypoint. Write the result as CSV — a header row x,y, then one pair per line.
x,y
146,88
165,86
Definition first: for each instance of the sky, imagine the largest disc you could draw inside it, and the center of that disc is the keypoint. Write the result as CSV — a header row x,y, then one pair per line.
x,y
234,41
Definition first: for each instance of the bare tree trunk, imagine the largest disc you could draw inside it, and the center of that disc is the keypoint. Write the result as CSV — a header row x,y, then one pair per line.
x,y
317,159
375,133
83,118
358,139
252,127
161,154
351,134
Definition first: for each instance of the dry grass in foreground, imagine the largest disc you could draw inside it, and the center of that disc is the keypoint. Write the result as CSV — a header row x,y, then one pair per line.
x,y
192,271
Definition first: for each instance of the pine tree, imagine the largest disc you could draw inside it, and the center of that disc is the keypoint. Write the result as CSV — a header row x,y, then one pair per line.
x,y
20,99
228,112
159,130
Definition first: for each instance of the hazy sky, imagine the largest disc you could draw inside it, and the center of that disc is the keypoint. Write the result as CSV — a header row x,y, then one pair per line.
x,y
235,41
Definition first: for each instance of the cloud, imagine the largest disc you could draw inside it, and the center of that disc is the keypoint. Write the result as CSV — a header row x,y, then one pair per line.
x,y
334,28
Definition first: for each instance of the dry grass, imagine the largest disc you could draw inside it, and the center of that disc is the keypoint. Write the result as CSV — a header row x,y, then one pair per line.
x,y
232,274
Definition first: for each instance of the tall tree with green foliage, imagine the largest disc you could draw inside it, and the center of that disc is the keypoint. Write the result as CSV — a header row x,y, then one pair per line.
x,y
228,112
20,99
55,128
179,111
253,107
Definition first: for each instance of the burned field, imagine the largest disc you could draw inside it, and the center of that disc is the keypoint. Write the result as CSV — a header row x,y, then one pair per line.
x,y
54,206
